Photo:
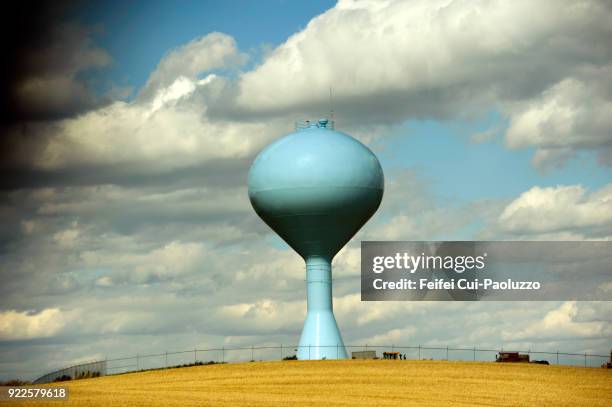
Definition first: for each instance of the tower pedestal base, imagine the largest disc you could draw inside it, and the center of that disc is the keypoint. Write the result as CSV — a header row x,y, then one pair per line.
x,y
321,338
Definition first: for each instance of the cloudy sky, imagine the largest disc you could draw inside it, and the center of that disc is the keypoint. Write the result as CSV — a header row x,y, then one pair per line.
x,y
127,130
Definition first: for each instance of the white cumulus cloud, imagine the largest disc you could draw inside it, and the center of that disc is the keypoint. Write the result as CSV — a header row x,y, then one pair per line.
x,y
559,209
17,325
211,51
562,323
572,113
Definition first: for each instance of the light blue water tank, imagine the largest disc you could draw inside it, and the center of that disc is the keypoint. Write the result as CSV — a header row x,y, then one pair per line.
x,y
316,187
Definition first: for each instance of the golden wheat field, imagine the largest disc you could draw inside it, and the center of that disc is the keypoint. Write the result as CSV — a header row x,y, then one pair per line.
x,y
348,383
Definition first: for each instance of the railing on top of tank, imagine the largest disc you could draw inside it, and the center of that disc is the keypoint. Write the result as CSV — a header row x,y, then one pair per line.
x,y
304,124
224,354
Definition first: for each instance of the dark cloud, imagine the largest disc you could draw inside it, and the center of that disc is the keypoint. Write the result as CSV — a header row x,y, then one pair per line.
x,y
216,172
46,57
49,72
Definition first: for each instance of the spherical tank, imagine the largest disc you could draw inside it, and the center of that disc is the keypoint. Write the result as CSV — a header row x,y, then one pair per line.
x,y
316,188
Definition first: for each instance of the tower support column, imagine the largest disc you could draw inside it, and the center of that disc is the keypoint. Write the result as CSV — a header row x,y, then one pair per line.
x,y
321,337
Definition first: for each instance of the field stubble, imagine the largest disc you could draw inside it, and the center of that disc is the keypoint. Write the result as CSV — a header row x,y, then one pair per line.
x,y
349,383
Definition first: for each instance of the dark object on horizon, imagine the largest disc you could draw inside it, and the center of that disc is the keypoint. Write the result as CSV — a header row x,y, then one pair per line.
x,y
196,363
540,362
391,355
512,357
609,364
292,357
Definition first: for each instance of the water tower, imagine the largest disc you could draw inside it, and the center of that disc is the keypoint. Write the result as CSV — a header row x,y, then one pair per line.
x,y
316,187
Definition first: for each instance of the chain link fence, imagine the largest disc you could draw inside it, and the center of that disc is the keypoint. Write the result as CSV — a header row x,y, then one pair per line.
x,y
80,371
224,354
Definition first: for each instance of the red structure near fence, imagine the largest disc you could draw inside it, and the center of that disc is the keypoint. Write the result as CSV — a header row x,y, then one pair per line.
x,y
512,357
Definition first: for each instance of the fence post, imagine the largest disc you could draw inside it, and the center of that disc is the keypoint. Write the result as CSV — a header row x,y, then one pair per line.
x,y
557,356
252,358
585,356
281,348
137,362
223,354
195,356
419,351
474,353
447,353
166,358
